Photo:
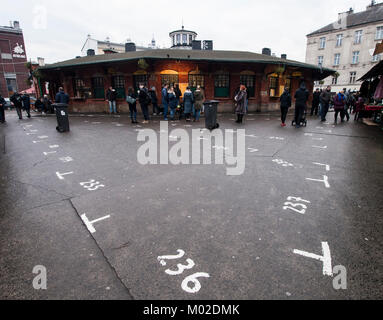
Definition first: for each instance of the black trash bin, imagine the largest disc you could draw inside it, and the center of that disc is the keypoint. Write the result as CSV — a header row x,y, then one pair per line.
x,y
211,107
62,117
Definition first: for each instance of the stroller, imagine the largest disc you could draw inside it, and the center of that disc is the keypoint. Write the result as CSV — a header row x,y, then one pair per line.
x,y
303,120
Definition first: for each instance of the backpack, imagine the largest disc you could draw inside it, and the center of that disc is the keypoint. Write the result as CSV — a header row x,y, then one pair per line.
x,y
130,100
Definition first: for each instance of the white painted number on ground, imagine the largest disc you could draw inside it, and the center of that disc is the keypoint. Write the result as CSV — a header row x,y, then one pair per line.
x,y
92,185
296,205
66,159
283,163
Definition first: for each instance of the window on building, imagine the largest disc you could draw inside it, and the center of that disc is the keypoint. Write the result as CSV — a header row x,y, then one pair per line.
x,y
174,40
288,84
322,43
196,80
379,33
184,39
190,39
339,40
140,79
358,36
376,58
11,85
169,79
178,39
334,80
274,87
119,84
355,57
78,87
249,82
352,77
98,88
337,59
320,61
222,85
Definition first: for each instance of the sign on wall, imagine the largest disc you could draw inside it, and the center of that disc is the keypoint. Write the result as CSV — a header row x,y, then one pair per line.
x,y
18,51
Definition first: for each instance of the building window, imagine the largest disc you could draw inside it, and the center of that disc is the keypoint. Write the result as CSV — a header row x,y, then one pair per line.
x,y
174,40
320,61
98,88
222,85
11,85
78,88
379,33
337,59
140,79
196,80
339,40
249,82
376,58
178,39
352,77
190,39
355,57
119,85
184,39
274,82
170,79
334,80
288,84
322,43
358,37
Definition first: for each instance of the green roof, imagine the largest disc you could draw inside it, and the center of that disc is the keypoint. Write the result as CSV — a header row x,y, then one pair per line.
x,y
188,55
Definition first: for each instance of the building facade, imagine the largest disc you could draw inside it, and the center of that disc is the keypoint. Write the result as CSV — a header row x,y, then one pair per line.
x,y
13,70
220,73
347,46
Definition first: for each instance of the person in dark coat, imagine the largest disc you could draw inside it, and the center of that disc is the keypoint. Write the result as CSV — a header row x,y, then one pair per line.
x,y
18,103
62,97
132,105
325,99
165,101
111,96
39,106
301,97
144,99
153,96
240,99
198,103
315,105
2,107
178,93
285,105
47,105
339,103
27,104
173,102
188,103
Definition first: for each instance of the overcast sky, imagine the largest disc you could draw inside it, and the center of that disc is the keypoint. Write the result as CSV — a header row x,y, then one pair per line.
x,y
57,30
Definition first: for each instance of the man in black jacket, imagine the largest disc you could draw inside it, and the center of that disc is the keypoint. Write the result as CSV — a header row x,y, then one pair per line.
x,y
27,104
111,96
285,105
2,111
301,97
315,106
325,98
145,100
61,96
18,103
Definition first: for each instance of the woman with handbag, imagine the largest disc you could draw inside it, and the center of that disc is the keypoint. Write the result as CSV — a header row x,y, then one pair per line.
x,y
131,99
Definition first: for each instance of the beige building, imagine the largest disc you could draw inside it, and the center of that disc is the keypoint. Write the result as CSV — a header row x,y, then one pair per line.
x,y
347,46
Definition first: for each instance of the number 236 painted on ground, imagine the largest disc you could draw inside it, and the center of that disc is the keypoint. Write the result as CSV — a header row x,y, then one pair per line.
x,y
181,268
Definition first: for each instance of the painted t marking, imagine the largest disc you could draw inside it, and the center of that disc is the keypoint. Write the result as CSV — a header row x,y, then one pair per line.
x,y
325,181
43,137
319,147
326,258
61,175
89,224
55,146
51,152
323,165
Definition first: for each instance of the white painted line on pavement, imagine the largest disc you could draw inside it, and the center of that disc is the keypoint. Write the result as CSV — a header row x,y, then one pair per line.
x,y
61,175
325,181
89,224
323,165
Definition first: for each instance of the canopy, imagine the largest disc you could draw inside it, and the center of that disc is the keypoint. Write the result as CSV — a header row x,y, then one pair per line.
x,y
374,72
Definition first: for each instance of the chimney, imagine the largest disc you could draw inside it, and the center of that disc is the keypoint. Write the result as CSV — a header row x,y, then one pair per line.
x,y
284,56
130,47
374,5
90,52
16,25
266,51
41,61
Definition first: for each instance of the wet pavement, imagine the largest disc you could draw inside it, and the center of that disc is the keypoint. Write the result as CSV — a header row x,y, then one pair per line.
x,y
106,227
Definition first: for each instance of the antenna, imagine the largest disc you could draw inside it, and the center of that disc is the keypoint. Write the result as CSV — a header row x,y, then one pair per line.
x,y
183,27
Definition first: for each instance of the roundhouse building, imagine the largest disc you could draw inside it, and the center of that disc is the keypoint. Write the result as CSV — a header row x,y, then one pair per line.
x,y
220,73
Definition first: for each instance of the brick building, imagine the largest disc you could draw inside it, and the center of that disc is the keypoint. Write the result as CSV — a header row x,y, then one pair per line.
x,y
219,72
13,58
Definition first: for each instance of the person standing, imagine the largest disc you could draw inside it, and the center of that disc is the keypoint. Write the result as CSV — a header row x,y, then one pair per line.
x,y
198,103
188,103
301,97
325,99
315,104
165,101
172,102
131,99
285,105
339,105
62,97
47,105
18,103
111,96
2,111
144,99
240,99
27,104
153,96
178,93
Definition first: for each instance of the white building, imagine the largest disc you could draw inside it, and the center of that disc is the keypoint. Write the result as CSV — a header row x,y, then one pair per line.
x,y
347,46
